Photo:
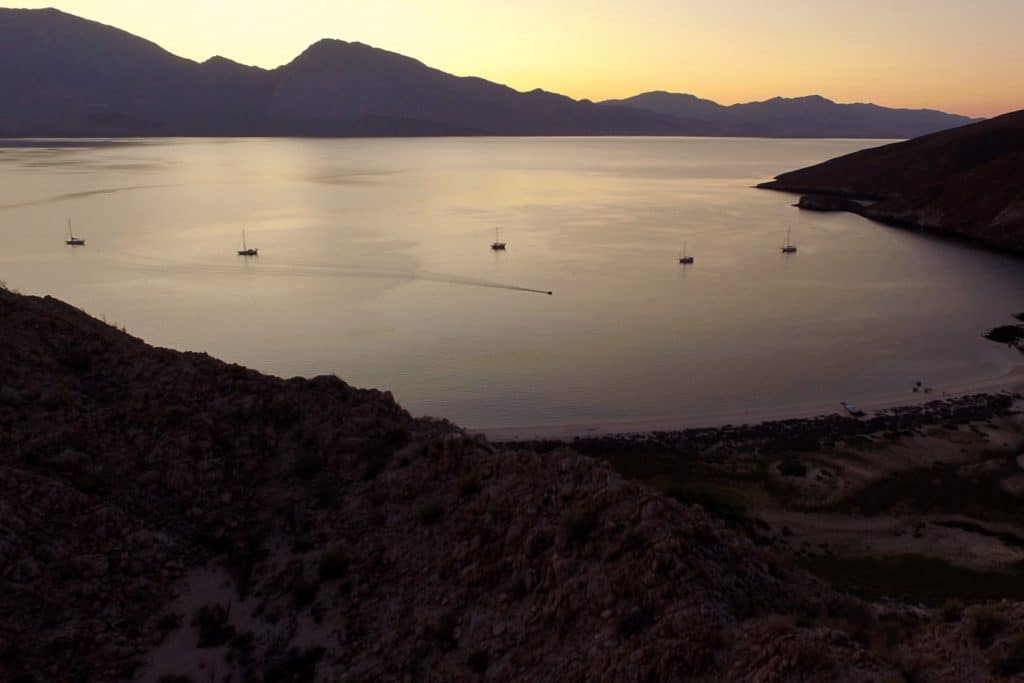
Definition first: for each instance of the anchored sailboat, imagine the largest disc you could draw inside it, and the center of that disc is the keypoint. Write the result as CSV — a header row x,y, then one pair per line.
x,y
246,250
72,240
788,247
684,259
497,245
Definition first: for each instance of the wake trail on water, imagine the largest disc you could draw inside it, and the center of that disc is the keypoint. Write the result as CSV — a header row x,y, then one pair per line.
x,y
166,266
52,199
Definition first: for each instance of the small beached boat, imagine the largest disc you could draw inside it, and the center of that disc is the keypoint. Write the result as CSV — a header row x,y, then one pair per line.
x,y
247,250
72,240
497,244
852,409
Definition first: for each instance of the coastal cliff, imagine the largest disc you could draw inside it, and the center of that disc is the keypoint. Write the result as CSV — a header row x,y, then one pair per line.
x,y
170,517
966,182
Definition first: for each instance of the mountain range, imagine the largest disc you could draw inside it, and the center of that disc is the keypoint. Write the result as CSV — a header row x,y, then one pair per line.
x,y
811,116
62,75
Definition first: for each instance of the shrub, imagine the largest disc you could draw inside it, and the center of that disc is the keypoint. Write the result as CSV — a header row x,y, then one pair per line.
x,y
792,468
243,642
212,622
375,456
333,565
92,482
176,415
636,622
175,678
951,610
304,591
283,413
431,513
396,437
851,610
74,359
536,544
169,622
725,510
1010,659
443,630
983,624
518,588
328,491
373,468
308,465
478,662
469,485
298,665
579,522
376,450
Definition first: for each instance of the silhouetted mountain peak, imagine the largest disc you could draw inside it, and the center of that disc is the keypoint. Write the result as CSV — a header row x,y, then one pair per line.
x,y
328,52
806,99
224,70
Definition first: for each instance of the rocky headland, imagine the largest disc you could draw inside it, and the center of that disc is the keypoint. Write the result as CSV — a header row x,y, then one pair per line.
x,y
169,517
966,182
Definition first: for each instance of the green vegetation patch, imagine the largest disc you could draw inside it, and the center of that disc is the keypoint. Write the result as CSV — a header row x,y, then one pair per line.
x,y
942,489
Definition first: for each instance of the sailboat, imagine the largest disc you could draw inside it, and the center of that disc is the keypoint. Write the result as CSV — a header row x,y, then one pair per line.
x,y
788,247
497,245
684,259
72,240
246,250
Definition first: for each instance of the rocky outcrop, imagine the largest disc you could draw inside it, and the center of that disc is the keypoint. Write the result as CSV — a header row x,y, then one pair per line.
x,y
168,516
967,182
824,202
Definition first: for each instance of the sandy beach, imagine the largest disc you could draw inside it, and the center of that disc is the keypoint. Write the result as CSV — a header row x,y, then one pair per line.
x,y
1011,381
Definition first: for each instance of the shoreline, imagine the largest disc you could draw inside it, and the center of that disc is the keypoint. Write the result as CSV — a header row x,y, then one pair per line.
x,y
1009,382
850,202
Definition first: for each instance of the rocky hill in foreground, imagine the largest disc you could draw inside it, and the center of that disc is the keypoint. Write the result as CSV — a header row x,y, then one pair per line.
x,y
165,516
966,182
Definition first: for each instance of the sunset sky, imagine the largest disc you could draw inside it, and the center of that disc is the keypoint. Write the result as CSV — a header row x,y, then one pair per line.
x,y
957,55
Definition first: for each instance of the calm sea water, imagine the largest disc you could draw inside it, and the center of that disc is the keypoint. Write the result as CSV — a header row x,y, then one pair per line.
x,y
375,265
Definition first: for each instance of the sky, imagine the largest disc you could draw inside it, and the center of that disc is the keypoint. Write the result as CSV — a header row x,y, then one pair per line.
x,y
961,56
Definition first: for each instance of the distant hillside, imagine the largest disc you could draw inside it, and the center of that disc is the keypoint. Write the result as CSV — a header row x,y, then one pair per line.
x,y
967,182
61,75
812,116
